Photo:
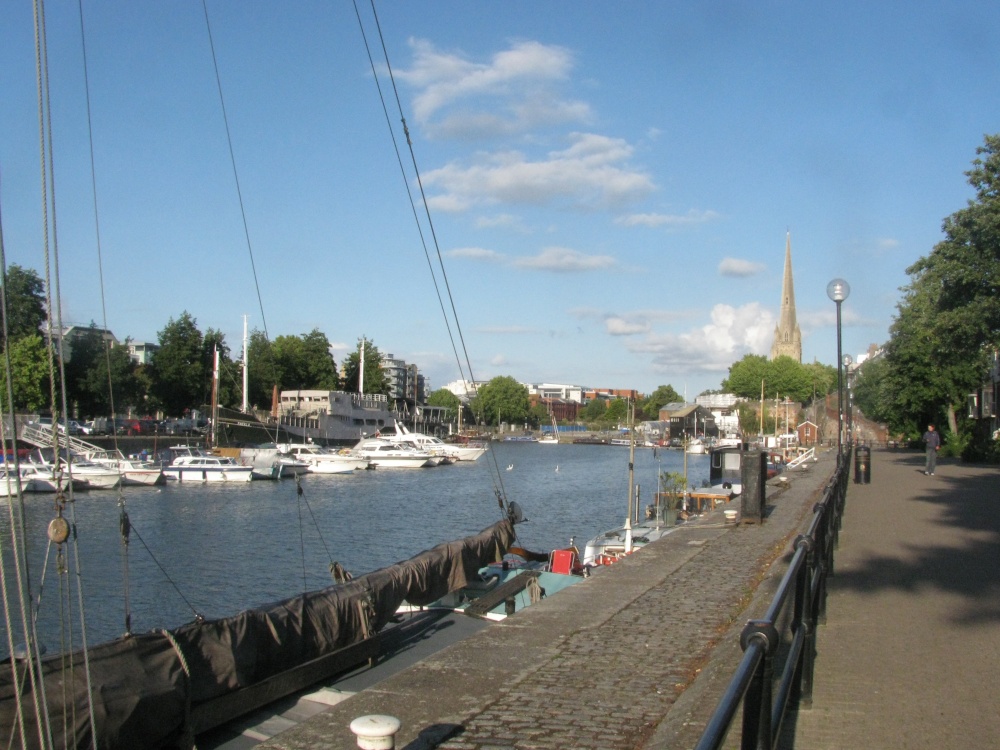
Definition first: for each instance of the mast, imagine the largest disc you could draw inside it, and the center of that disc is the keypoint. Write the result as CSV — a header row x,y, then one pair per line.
x,y
631,478
215,396
246,377
361,369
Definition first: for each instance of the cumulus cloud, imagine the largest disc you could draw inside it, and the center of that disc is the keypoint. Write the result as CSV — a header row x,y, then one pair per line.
x,y
512,92
591,173
740,268
670,220
730,334
565,260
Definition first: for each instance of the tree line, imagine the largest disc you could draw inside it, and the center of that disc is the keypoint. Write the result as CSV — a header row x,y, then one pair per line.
x,y
944,338
101,378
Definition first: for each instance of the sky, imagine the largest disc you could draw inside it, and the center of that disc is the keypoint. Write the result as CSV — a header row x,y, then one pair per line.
x,y
610,186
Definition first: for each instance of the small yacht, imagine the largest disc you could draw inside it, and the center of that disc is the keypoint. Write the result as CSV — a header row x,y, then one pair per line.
x,y
386,453
193,465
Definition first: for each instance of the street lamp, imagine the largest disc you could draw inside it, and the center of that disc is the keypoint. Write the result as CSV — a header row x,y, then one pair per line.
x,y
838,290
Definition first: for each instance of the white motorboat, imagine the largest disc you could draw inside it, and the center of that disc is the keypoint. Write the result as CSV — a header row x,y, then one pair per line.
x,y
86,474
133,471
437,447
193,465
32,479
696,447
388,454
321,460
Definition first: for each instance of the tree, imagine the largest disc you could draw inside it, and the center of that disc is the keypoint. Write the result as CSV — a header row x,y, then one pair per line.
x,y
502,399
86,354
179,375
617,411
872,392
123,385
29,366
375,380
746,376
593,410
305,362
24,298
445,399
262,370
663,395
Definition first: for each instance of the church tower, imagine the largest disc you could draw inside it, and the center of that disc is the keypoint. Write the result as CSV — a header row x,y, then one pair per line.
x,y
787,336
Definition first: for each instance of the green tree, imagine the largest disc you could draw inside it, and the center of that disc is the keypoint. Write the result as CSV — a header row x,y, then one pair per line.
x,y
24,299
375,380
305,362
86,354
539,415
746,376
29,367
788,378
663,395
262,370
179,375
444,398
593,410
502,399
617,412
872,392
123,385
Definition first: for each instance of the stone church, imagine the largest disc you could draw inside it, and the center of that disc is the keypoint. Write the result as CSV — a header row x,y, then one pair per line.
x,y
787,336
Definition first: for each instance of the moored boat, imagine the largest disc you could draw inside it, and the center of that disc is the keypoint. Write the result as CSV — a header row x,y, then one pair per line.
x,y
321,460
193,465
385,453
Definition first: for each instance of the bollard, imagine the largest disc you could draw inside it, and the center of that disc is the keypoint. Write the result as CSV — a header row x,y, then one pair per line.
x,y
753,476
862,464
376,732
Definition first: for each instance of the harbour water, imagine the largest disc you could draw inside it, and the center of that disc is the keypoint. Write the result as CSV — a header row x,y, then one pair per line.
x,y
214,550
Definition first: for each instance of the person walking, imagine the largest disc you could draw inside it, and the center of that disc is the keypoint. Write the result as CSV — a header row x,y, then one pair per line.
x,y
932,441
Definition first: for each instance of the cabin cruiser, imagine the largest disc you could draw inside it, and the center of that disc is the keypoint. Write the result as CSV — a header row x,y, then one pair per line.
x,y
437,447
321,460
86,474
386,453
193,465
32,479
133,471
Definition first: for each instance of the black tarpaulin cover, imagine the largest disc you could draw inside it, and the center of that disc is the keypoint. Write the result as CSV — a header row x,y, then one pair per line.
x,y
140,691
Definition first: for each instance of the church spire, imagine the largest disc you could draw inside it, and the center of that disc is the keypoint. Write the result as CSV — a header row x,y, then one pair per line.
x,y
787,336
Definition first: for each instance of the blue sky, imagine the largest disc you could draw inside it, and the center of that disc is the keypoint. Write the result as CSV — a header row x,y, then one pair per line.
x,y
610,184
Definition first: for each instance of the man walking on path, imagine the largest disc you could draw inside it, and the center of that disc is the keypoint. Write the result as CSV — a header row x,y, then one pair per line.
x,y
932,440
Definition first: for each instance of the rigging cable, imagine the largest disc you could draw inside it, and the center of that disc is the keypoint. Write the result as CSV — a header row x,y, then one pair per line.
x,y
496,475
16,511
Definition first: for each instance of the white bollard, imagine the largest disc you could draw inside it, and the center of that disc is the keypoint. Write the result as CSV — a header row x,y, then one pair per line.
x,y
376,732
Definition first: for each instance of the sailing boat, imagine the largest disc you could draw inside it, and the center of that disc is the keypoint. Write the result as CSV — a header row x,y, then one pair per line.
x,y
612,545
552,439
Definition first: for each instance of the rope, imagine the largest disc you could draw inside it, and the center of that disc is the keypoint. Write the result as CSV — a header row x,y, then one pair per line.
x,y
495,474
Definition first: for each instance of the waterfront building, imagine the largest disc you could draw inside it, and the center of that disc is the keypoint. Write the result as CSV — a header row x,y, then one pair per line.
x,y
787,336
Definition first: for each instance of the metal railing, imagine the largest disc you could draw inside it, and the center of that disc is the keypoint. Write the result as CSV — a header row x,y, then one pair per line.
x,y
785,637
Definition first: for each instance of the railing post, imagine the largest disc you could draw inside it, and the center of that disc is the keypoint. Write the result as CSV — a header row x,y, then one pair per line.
x,y
808,617
758,702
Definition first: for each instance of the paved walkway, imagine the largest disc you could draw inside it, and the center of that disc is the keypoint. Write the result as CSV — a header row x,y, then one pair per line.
x,y
910,654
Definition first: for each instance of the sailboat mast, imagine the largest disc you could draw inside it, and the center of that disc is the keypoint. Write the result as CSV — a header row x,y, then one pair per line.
x,y
361,369
631,478
215,396
246,376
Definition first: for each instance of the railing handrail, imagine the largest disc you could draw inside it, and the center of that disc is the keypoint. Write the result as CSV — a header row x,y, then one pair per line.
x,y
804,585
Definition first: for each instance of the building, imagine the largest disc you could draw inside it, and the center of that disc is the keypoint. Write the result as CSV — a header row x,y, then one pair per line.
x,y
73,334
688,420
787,336
555,391
142,352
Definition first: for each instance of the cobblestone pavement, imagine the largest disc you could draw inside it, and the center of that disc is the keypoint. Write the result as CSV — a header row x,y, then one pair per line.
x,y
634,657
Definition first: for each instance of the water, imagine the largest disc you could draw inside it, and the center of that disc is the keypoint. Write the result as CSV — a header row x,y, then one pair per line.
x,y
217,549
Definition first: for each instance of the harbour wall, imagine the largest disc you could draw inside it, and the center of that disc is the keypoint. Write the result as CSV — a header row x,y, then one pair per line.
x,y
637,656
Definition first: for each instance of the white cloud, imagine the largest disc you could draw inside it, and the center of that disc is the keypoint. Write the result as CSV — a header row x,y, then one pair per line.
x,y
591,173
732,333
513,92
565,260
739,267
475,253
670,220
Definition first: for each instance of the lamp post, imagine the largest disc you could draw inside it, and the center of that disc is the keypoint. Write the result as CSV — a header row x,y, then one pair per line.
x,y
838,290
849,405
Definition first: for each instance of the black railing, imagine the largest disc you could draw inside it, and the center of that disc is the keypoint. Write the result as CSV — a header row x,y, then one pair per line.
x,y
785,638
